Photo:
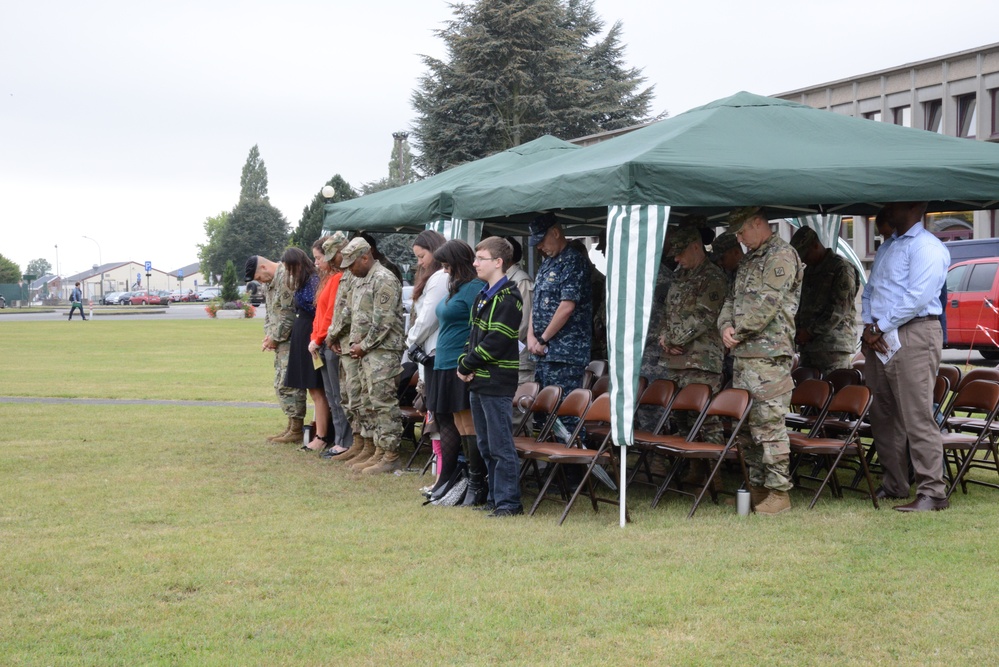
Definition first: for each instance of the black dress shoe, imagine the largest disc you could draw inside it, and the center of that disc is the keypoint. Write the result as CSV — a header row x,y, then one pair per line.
x,y
882,494
504,512
924,504
488,507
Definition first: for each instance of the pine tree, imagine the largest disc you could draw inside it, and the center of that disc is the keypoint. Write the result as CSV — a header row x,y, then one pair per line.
x,y
253,182
518,69
229,291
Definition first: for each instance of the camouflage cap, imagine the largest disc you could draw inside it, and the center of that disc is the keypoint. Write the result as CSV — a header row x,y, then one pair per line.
x,y
724,243
333,245
738,217
681,238
354,250
804,239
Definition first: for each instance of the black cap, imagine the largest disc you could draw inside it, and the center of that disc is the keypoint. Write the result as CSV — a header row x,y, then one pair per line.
x,y
251,268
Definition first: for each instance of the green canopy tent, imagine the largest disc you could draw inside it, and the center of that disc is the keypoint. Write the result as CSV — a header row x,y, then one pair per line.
x,y
413,206
739,151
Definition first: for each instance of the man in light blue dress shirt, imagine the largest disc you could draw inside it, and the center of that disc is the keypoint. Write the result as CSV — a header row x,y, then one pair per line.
x,y
902,299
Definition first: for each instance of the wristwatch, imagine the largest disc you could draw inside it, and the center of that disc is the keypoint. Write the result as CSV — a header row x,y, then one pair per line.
x,y
875,331
542,340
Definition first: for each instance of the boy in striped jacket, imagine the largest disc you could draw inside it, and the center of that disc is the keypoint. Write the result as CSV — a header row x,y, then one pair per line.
x,y
490,364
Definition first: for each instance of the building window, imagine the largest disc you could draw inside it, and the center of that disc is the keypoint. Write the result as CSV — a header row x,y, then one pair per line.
x,y
995,111
902,116
873,115
933,115
992,224
966,116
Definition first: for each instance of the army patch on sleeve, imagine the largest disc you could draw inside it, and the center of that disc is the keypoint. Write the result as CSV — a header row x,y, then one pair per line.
x,y
779,271
384,299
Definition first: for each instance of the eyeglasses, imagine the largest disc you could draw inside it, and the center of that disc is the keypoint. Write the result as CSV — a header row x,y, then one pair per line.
x,y
478,259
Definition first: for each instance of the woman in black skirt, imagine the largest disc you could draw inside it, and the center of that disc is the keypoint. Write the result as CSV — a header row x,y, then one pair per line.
x,y
302,374
447,395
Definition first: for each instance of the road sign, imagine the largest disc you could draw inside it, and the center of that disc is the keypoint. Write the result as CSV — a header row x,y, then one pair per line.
x,y
180,274
149,267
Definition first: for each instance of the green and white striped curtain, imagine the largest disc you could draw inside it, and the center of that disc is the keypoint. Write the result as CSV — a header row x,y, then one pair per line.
x,y
468,231
635,236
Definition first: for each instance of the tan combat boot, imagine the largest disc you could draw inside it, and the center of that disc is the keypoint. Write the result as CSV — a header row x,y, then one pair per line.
x,y
356,445
294,433
758,494
388,463
272,438
366,453
775,503
373,461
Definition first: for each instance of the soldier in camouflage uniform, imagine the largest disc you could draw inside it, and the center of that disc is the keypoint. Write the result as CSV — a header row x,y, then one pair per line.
x,y
826,322
377,339
691,346
338,340
561,330
757,325
726,253
278,320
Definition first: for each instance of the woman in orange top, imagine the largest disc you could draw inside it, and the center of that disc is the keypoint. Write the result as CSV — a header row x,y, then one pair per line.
x,y
326,252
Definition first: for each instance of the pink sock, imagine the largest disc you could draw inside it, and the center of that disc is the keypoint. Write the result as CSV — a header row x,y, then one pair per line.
x,y
435,444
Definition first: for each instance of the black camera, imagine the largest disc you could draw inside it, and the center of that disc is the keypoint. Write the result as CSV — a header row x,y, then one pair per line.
x,y
417,354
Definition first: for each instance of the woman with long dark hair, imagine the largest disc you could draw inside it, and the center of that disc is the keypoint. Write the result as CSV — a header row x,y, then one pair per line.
x,y
447,395
429,289
301,373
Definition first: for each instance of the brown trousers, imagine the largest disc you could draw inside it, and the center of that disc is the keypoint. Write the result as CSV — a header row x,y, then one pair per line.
x,y
902,411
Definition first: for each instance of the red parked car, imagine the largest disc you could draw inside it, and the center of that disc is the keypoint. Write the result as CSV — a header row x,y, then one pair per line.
x,y
973,306
151,298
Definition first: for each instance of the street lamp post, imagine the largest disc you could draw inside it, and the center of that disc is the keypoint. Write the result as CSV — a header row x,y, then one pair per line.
x,y
101,262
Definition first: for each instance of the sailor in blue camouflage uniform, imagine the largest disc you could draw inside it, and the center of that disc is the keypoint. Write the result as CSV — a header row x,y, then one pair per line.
x,y
561,330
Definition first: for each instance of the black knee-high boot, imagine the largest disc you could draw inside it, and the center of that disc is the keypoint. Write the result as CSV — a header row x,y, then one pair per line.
x,y
478,490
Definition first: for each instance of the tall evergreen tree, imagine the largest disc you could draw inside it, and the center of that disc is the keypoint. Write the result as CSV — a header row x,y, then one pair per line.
x,y
518,69
229,291
310,227
254,227
253,182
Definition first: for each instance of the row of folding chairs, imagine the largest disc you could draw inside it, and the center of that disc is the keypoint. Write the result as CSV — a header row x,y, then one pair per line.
x,y
970,429
967,416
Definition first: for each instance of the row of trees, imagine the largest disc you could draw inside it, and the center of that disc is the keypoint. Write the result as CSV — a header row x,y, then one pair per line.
x,y
10,272
515,70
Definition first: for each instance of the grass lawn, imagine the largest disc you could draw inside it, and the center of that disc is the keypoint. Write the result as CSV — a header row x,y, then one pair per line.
x,y
170,535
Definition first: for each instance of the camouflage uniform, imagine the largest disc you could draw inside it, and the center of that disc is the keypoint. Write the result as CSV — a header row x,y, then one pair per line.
x,y
565,277
339,331
653,362
278,320
761,307
829,313
693,303
376,324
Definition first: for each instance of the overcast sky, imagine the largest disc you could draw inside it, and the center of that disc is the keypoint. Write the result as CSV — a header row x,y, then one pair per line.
x,y
130,121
